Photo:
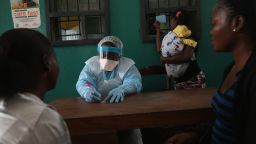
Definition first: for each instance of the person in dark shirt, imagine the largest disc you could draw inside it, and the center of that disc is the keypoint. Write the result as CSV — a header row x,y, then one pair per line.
x,y
233,30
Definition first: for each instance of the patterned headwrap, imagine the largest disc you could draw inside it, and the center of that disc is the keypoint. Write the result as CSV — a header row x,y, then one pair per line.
x,y
178,14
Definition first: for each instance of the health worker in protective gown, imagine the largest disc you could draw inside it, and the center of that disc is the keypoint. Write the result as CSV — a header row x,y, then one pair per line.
x,y
108,78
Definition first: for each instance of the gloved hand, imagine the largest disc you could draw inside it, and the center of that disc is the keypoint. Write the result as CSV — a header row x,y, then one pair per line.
x,y
115,95
92,95
96,96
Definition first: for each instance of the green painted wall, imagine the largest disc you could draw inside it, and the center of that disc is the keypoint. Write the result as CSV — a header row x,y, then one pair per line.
x,y
125,23
211,62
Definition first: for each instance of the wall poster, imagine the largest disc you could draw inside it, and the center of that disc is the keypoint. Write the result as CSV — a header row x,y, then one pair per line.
x,y
25,13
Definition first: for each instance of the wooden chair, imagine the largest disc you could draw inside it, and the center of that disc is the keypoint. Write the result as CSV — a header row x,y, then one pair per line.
x,y
156,70
152,70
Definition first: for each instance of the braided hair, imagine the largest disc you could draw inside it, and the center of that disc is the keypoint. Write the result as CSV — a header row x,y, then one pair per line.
x,y
245,8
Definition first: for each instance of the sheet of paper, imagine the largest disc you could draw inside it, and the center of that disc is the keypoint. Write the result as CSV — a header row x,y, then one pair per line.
x,y
161,18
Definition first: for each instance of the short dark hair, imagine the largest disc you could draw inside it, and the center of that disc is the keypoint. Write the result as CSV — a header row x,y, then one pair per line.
x,y
21,56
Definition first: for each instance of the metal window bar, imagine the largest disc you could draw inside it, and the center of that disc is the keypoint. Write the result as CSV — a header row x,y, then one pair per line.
x,y
189,5
100,5
79,27
89,6
85,30
101,31
77,4
66,37
71,34
63,8
82,24
146,4
97,30
60,36
72,5
67,5
53,6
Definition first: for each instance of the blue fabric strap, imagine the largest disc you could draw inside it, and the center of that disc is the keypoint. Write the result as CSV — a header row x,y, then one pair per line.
x,y
109,49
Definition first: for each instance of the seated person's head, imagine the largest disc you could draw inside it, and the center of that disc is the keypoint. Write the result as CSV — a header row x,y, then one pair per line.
x,y
27,62
110,52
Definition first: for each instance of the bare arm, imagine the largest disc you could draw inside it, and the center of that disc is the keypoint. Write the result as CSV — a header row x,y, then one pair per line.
x,y
179,58
158,38
183,138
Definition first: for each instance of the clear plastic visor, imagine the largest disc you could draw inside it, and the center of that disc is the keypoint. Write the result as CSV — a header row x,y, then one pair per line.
x,y
111,53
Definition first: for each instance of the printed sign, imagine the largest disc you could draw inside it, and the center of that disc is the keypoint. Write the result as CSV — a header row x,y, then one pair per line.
x,y
25,13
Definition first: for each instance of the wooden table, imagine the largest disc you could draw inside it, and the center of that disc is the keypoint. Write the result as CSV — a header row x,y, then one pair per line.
x,y
144,110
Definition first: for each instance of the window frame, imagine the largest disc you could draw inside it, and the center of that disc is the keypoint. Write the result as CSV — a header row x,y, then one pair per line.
x,y
145,10
49,15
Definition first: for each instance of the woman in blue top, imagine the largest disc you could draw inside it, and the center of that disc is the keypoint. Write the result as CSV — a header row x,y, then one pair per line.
x,y
234,103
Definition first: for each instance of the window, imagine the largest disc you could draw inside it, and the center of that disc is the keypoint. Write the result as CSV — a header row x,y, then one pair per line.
x,y
71,22
152,8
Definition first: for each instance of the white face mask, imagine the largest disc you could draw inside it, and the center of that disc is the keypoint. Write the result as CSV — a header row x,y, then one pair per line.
x,y
108,65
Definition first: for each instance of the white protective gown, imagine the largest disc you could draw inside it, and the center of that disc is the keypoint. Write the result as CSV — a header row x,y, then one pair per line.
x,y
125,76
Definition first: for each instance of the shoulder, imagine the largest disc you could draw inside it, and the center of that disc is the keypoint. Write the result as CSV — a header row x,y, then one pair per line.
x,y
40,114
51,120
127,60
26,107
38,117
52,126
125,63
124,66
169,36
92,60
51,117
250,67
246,82
12,129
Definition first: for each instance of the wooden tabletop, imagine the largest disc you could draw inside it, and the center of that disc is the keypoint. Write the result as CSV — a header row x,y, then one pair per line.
x,y
149,109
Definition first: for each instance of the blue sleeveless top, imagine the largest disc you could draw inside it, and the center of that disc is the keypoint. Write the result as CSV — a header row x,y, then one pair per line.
x,y
224,126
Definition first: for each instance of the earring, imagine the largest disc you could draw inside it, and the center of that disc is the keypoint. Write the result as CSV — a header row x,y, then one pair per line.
x,y
49,65
234,30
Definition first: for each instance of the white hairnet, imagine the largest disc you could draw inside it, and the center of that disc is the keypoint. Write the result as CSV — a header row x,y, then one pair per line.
x,y
113,39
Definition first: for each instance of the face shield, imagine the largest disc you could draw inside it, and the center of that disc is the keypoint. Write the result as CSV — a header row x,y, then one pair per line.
x,y
110,52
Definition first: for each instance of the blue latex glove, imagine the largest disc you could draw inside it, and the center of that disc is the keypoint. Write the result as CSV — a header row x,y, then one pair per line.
x,y
92,95
115,95
96,96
